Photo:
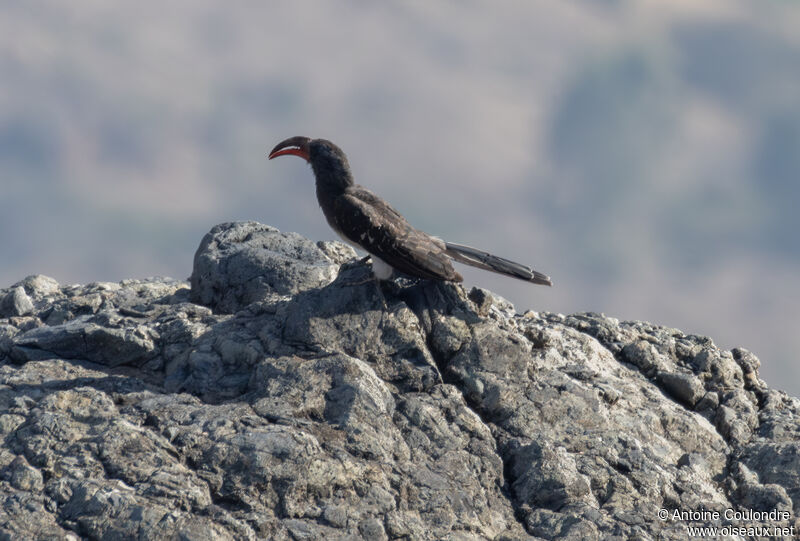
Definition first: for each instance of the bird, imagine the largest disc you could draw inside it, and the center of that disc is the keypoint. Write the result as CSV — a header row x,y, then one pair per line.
x,y
367,222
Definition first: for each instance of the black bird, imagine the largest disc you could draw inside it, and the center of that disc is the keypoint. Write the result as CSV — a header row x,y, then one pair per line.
x,y
366,221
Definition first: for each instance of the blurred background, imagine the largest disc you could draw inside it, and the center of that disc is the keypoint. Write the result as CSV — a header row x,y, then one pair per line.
x,y
644,154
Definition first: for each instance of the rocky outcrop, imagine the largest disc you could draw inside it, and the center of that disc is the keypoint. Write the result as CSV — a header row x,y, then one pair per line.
x,y
287,396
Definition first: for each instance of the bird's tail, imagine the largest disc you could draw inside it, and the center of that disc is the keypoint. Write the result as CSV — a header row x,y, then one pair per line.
x,y
487,261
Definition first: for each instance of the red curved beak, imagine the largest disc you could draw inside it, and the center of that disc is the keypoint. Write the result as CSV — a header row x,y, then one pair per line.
x,y
296,146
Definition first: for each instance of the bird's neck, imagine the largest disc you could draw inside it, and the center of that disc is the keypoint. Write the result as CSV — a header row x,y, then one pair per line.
x,y
332,181
331,184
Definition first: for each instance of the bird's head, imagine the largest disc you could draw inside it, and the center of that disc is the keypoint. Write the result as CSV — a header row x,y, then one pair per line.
x,y
327,160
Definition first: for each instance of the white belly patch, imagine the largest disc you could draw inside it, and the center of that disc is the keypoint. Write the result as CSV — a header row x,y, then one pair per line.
x,y
381,269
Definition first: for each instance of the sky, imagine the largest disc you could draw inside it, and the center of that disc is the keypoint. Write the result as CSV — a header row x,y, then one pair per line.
x,y
644,154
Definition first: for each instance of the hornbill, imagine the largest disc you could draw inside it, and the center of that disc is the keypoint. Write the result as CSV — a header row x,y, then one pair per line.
x,y
366,221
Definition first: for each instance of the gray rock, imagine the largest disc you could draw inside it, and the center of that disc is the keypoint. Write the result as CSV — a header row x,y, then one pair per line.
x,y
16,303
40,286
684,387
243,262
81,339
23,477
307,405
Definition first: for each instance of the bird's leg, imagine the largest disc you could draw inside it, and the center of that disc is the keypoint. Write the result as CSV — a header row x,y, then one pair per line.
x,y
359,283
380,293
366,280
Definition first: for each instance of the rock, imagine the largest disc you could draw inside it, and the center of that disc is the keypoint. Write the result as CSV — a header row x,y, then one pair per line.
x,y
81,339
40,286
243,262
547,476
16,303
23,477
303,401
684,387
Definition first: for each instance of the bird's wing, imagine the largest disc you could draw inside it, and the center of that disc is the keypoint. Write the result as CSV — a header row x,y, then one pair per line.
x,y
372,223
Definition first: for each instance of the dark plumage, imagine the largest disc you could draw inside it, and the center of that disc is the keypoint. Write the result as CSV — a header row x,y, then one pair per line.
x,y
365,220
